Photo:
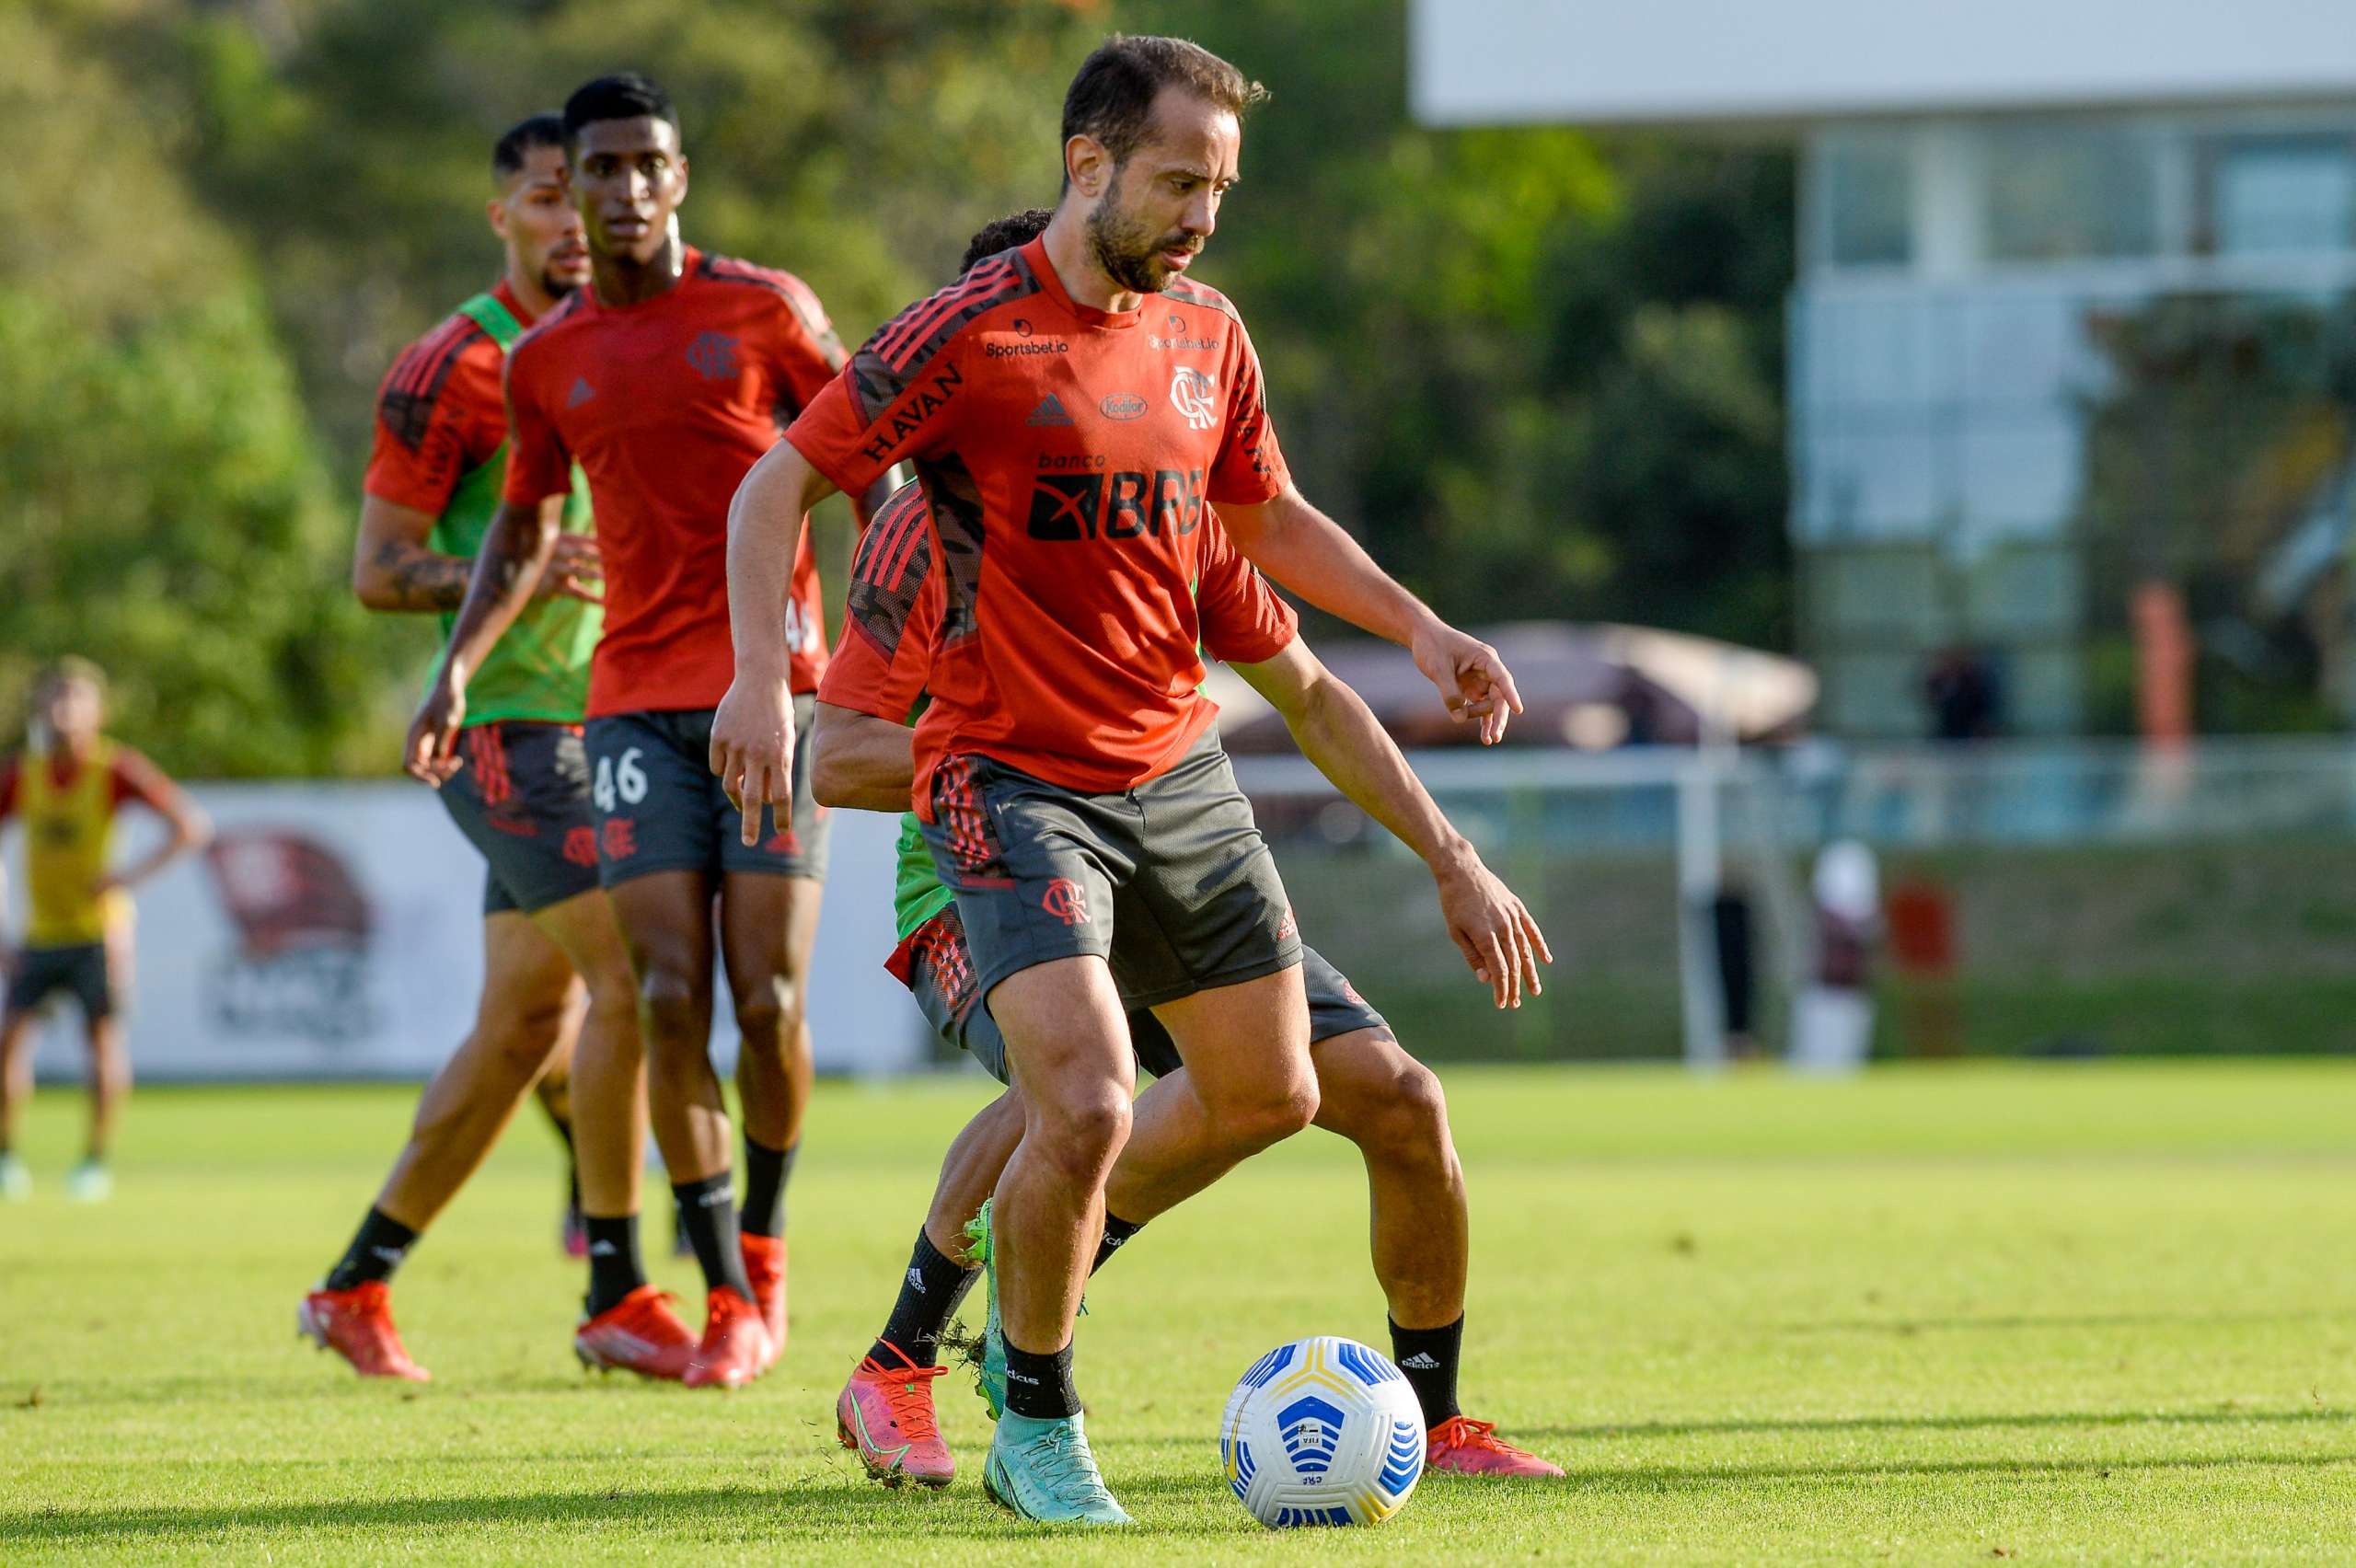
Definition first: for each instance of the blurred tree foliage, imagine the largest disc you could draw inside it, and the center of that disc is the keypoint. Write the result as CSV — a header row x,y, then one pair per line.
x,y
1539,372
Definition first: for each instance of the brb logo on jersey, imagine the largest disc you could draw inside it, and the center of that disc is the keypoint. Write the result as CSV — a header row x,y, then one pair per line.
x,y
713,355
1190,394
1066,901
1116,506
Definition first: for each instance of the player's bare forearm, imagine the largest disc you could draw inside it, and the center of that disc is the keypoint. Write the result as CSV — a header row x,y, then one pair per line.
x,y
764,529
1304,550
1308,552
1337,732
392,569
515,551
858,762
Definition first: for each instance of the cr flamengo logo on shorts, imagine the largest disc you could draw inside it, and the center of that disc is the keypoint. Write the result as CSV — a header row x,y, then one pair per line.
x,y
1066,901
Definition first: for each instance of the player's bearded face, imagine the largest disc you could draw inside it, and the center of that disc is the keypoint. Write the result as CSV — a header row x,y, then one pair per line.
x,y
1159,207
1133,245
544,226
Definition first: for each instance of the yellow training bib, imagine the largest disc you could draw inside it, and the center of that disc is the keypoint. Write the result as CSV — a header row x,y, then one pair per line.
x,y
69,839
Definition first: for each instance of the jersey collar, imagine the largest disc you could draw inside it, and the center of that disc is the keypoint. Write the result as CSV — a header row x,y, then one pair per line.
x,y
1035,253
506,297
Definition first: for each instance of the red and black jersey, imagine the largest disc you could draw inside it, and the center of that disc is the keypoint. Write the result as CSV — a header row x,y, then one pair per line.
x,y
440,411
665,404
892,629
1069,456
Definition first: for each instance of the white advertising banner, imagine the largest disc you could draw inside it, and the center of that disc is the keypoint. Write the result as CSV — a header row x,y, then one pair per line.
x,y
335,930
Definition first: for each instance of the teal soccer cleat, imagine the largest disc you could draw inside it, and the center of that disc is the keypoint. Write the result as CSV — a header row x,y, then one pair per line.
x,y
1043,1471
990,1370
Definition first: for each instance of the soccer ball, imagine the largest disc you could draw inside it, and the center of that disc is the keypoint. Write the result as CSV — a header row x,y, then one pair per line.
x,y
1321,1432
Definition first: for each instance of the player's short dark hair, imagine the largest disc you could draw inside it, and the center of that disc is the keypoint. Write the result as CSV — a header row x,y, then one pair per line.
x,y
624,94
1005,234
1112,97
543,129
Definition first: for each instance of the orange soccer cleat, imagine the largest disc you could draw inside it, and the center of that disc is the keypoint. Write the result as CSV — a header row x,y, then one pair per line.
x,y
764,1266
885,1414
639,1334
735,1347
1464,1447
357,1324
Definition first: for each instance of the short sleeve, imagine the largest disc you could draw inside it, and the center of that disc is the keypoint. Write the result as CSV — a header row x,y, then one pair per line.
x,y
805,352
1242,619
430,426
892,621
537,464
899,400
1249,467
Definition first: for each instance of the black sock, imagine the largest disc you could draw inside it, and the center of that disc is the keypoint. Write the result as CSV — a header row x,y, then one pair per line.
x,y
1429,1357
708,1209
929,1293
1040,1386
614,1267
571,1162
376,1249
765,1170
1116,1230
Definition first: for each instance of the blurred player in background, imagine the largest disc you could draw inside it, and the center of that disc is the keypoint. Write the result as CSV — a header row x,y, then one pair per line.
x,y
68,784
1073,407
665,379
1371,1090
554,968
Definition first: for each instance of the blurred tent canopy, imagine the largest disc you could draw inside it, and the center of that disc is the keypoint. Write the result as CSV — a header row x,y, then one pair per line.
x,y
1594,687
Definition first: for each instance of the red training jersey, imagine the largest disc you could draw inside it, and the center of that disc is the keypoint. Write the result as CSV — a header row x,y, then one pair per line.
x,y
1069,456
665,404
891,631
440,413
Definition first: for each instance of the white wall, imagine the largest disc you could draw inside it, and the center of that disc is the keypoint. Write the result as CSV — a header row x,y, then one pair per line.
x,y
1486,61
205,1005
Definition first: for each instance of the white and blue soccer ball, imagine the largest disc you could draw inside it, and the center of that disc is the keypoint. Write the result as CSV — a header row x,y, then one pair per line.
x,y
1322,1432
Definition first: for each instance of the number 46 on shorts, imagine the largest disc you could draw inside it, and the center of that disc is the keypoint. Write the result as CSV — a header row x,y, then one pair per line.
x,y
621,780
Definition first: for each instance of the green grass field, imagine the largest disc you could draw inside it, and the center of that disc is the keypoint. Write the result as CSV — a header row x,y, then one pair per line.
x,y
2062,1314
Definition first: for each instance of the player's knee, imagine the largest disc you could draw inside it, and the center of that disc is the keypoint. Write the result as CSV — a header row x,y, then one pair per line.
x,y
668,1009
1268,1115
1082,1132
524,1031
770,1011
1401,1116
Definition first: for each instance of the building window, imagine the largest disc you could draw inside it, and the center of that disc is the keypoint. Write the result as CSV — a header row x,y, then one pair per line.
x,y
1867,189
2271,194
2068,193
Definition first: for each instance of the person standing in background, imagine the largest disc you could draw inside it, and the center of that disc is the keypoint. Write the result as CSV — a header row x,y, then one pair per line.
x,y
68,785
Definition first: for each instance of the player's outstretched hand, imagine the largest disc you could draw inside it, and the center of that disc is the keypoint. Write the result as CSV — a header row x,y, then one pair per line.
x,y
752,748
431,753
1494,932
1472,679
575,571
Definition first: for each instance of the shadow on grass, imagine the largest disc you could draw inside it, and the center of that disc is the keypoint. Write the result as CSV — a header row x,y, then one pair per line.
x,y
853,1507
2221,1416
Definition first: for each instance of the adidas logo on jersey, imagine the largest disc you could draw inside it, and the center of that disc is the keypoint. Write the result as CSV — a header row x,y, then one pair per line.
x,y
581,392
1050,411
1422,1361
